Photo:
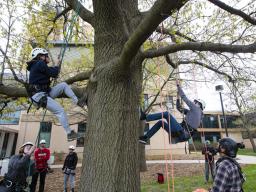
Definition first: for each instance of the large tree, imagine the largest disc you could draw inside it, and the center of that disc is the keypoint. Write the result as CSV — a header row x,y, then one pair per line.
x,y
114,89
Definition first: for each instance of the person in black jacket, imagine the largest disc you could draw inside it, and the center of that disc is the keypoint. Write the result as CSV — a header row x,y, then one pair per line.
x,y
18,168
208,151
40,92
69,168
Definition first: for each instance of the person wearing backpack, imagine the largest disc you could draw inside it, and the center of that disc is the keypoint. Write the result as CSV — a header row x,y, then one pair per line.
x,y
69,168
229,176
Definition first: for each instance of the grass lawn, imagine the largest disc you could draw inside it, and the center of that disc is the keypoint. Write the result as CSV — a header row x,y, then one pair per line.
x,y
188,184
246,152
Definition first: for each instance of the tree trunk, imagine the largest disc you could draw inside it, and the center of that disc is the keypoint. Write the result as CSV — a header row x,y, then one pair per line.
x,y
142,152
110,162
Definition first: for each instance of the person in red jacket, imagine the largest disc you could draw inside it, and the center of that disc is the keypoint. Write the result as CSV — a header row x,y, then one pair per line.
x,y
42,155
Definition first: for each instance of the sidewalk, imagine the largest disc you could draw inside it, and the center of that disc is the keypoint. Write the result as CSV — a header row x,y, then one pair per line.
x,y
242,159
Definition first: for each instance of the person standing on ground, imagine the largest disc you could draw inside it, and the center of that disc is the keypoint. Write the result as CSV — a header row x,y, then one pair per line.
x,y
208,151
18,168
69,168
42,155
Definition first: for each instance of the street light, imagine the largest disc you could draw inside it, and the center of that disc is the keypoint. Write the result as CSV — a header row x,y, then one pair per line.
x,y
219,88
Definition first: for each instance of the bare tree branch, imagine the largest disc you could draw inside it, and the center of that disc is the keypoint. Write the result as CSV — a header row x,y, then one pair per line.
x,y
153,101
84,13
200,46
11,68
158,13
234,11
230,79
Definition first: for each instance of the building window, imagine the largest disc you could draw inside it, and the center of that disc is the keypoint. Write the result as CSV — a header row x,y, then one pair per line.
x,y
45,132
11,118
210,121
5,145
81,131
232,121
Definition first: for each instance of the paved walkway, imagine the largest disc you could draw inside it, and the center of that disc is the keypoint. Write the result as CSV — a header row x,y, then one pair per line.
x,y
243,159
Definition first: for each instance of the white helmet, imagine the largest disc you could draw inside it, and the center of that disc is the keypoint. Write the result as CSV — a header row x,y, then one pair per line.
x,y
38,51
42,141
201,102
27,143
207,142
72,147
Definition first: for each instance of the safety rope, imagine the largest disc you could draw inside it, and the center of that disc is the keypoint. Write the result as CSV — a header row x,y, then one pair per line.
x,y
169,134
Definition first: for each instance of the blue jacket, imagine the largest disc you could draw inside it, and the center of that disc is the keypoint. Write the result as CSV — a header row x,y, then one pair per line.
x,y
40,73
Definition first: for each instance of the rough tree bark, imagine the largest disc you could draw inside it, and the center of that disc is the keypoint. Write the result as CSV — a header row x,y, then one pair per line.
x,y
110,160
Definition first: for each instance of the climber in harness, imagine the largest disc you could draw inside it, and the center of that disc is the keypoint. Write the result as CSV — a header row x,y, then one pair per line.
x,y
42,95
229,175
180,132
15,179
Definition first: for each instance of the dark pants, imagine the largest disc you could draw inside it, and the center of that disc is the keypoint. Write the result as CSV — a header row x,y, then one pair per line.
x,y
209,167
170,125
34,181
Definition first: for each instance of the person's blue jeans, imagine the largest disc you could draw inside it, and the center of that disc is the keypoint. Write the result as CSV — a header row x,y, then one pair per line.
x,y
173,127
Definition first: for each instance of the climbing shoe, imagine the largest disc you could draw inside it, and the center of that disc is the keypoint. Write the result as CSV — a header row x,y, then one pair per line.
x,y
72,136
81,103
143,139
143,115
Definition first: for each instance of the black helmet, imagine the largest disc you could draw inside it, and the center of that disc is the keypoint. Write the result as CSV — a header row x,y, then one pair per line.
x,y
230,146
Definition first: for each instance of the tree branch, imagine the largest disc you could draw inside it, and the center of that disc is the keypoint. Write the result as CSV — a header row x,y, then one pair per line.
x,y
79,77
234,11
11,68
84,13
200,46
167,32
158,13
230,79
158,93
14,91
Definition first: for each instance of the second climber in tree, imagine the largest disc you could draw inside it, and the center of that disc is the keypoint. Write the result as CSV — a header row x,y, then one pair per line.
x,y
180,132
40,92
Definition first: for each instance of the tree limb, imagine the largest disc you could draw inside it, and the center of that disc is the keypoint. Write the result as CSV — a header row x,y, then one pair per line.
x,y
200,46
79,77
84,13
158,93
234,11
158,13
11,68
230,79
14,91
167,32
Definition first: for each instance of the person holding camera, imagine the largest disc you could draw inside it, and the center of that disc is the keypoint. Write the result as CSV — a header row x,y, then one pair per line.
x,y
208,151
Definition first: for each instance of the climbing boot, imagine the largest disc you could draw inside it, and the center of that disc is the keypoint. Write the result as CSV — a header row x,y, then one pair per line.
x,y
143,139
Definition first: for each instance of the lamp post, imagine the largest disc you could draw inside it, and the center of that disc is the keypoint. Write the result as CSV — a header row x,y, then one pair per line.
x,y
219,88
